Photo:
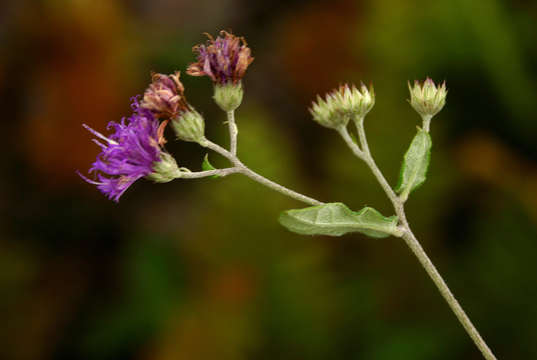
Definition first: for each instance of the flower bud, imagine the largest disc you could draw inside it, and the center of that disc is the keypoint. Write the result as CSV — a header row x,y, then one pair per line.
x,y
228,96
359,102
343,104
165,169
189,126
426,98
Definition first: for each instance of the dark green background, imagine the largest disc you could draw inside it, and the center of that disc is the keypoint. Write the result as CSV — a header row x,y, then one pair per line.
x,y
201,269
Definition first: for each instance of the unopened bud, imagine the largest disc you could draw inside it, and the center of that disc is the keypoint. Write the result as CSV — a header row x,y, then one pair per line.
x,y
359,102
228,96
189,126
164,170
426,98
342,104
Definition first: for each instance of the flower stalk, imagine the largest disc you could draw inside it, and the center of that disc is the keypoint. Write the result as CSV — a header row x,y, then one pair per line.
x,y
243,169
427,122
233,132
207,173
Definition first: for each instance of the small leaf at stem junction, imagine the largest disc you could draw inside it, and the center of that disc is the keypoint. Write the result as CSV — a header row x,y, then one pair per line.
x,y
206,165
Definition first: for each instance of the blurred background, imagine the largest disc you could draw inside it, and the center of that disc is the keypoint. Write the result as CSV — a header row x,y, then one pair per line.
x,y
201,269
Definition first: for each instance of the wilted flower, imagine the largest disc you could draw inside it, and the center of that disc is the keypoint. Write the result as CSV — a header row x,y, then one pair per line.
x,y
133,151
342,104
426,98
224,59
165,96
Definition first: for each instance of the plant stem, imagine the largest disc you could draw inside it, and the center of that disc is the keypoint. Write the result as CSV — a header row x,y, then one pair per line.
x,y
417,249
207,173
233,132
426,122
243,169
365,154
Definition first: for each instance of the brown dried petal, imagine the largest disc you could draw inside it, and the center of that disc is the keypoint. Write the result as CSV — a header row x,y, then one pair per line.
x,y
165,95
224,59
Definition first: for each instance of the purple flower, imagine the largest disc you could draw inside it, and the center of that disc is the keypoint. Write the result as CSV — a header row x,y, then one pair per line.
x,y
129,154
224,60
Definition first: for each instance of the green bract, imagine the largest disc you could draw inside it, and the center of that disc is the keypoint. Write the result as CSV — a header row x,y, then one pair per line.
x,y
189,126
164,170
336,219
228,96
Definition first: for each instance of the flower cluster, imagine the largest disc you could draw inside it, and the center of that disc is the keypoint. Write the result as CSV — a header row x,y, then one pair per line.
x,y
132,152
224,59
135,151
340,105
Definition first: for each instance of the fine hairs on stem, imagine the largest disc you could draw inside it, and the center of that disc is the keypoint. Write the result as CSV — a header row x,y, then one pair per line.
x,y
138,141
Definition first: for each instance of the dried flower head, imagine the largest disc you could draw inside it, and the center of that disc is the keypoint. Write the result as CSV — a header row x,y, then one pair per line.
x,y
224,59
133,151
426,98
342,104
165,96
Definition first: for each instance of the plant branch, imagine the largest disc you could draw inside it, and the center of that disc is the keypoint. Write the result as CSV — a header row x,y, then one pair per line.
x,y
243,169
202,174
365,155
398,204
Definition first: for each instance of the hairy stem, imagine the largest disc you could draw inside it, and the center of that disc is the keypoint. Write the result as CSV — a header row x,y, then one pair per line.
x,y
429,267
243,169
207,173
365,154
233,132
271,184
426,122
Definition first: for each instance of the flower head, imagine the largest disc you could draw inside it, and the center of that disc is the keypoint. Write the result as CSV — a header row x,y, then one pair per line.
x,y
133,151
426,98
340,105
224,59
165,96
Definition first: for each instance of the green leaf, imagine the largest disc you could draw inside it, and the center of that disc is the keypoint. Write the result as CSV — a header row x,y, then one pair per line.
x,y
416,161
336,219
374,224
206,165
